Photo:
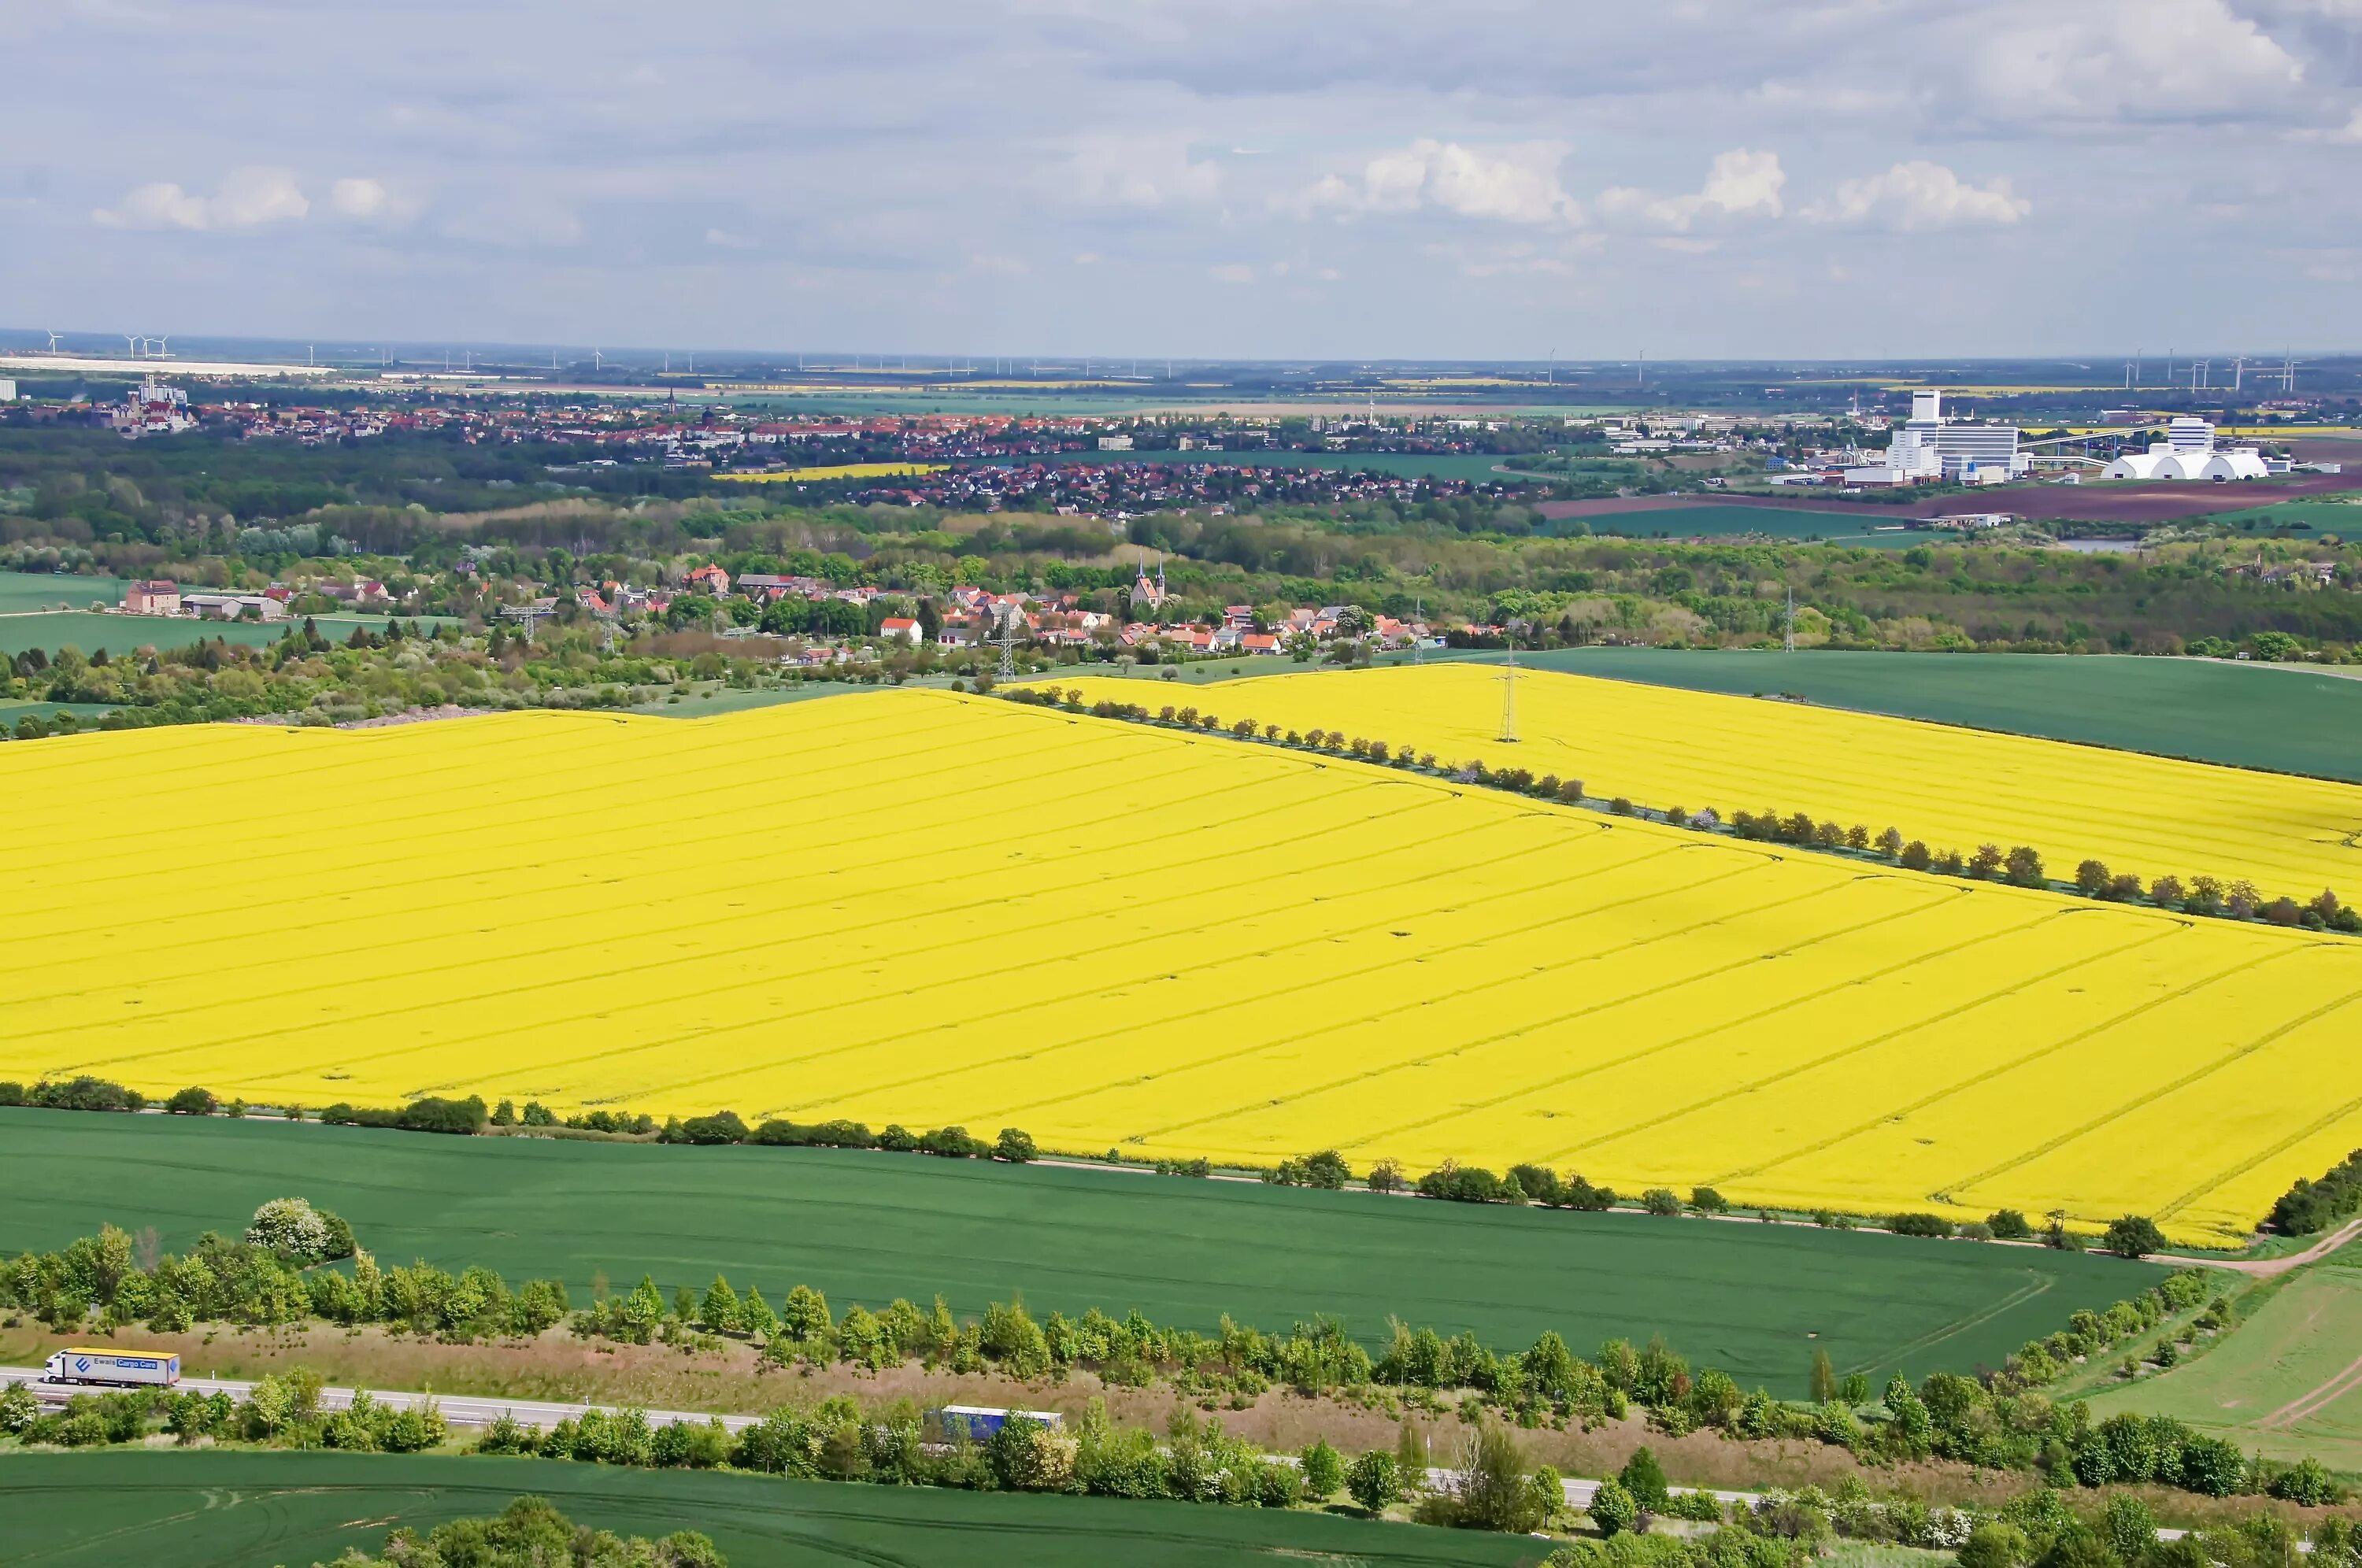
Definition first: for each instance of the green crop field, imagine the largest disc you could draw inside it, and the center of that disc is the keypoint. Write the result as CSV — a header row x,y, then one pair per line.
x,y
1863,527
247,1509
869,1227
2276,717
90,631
83,711
2287,1382
2343,518
27,591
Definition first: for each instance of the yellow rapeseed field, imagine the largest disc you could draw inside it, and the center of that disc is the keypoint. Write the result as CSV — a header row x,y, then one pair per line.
x,y
917,906
1954,789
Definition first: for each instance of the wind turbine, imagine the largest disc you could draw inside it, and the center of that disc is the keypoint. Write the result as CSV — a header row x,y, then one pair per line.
x,y
131,345
163,346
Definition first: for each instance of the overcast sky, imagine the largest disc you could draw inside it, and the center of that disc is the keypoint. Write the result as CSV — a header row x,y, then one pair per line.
x,y
1692,178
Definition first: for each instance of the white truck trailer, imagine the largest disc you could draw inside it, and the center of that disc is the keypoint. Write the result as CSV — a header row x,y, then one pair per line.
x,y
114,1369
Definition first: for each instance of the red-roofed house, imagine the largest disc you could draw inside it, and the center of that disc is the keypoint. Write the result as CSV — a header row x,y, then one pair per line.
x,y
899,628
157,596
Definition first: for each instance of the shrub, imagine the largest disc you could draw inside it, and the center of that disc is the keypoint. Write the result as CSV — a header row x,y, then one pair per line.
x,y
290,1227
1326,1170
1644,1478
1373,1481
2008,1225
722,1127
1324,1471
83,1093
953,1142
1994,1545
2306,1484
1662,1201
1463,1184
2024,868
1915,856
1707,1200
431,1114
2092,879
2212,1465
1919,1225
1614,1509
2132,1236
838,1134
1540,1184
1016,1146
192,1102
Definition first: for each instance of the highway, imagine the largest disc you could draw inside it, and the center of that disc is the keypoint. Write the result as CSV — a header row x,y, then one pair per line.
x,y
459,1410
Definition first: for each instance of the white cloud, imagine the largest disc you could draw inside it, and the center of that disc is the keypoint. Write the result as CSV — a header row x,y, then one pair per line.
x,y
160,205
1920,196
245,199
360,200
724,240
1139,173
1515,184
1741,182
1231,272
2111,60
2348,135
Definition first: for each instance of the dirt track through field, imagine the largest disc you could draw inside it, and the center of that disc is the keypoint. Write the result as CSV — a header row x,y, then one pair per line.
x,y
2328,1393
2265,1268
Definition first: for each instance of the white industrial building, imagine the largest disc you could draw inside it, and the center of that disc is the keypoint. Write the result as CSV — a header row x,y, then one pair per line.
x,y
1929,446
2187,452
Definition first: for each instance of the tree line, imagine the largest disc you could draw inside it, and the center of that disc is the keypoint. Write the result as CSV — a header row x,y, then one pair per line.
x,y
2313,1206
2019,866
